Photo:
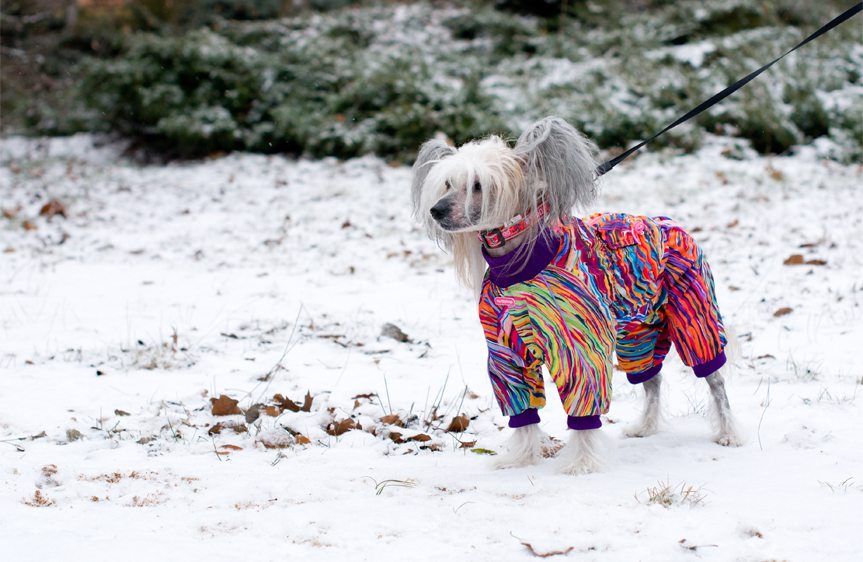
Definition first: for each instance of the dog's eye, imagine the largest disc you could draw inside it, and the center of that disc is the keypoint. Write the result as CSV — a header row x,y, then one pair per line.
x,y
448,185
477,187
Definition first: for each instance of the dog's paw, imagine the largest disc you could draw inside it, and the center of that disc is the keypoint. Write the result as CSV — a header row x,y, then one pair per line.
x,y
585,452
528,445
509,460
729,440
642,429
577,468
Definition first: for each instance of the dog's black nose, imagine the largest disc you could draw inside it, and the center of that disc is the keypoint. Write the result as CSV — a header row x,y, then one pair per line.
x,y
438,211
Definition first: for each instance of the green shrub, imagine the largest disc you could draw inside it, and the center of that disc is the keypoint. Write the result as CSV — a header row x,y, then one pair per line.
x,y
383,79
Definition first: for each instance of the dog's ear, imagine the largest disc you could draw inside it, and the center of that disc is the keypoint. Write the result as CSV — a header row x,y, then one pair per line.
x,y
431,152
563,161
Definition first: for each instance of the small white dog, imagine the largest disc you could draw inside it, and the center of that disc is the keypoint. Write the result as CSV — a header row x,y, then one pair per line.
x,y
564,292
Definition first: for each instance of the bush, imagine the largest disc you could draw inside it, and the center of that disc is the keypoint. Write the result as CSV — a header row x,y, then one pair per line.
x,y
383,79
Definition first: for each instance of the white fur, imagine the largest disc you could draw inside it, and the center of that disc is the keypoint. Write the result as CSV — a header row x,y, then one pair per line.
x,y
527,446
728,435
651,417
728,432
586,451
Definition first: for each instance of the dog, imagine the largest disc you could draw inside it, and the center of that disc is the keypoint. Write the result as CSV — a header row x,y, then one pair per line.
x,y
564,292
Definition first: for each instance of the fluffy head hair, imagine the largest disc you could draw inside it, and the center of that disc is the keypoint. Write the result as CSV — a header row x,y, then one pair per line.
x,y
485,183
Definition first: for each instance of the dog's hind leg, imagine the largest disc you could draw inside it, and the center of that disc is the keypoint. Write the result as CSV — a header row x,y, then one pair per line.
x,y
728,434
651,417
527,445
585,452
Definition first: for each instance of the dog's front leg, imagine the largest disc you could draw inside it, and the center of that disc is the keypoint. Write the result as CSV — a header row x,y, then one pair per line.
x,y
527,445
586,451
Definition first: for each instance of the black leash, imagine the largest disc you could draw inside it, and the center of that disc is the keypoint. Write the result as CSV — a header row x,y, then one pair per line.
x,y
605,167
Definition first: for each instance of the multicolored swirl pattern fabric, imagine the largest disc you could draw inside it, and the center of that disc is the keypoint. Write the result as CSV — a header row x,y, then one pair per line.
x,y
634,282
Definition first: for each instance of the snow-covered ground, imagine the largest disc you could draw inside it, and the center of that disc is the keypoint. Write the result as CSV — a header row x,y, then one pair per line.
x,y
250,276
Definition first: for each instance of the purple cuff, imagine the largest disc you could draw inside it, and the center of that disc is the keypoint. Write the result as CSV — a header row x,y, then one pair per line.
x,y
638,378
710,367
516,266
583,422
527,417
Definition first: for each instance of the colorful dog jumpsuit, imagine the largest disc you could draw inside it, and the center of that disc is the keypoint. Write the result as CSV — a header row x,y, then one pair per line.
x,y
636,283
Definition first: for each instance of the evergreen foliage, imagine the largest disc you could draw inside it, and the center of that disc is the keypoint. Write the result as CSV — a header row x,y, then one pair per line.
x,y
383,78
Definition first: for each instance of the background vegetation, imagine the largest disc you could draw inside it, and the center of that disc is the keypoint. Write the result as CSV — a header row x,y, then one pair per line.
x,y
351,77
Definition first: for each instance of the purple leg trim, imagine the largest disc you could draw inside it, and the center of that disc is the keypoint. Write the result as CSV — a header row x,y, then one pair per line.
x,y
710,367
527,417
638,378
583,422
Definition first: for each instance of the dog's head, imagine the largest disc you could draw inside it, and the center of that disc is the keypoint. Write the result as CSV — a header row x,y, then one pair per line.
x,y
485,183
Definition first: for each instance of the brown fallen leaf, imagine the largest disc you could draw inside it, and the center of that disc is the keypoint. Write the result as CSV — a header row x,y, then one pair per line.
x,y
459,424
816,262
467,445
27,225
231,447
543,554
339,427
392,419
765,356
254,412
783,311
396,437
307,403
286,403
53,207
272,411
732,224
225,406
422,437
794,259
303,440
120,413
393,331
216,429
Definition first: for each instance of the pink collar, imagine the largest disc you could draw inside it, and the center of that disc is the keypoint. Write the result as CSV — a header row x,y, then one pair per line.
x,y
497,237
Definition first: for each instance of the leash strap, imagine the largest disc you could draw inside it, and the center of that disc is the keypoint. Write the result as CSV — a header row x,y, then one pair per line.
x,y
607,166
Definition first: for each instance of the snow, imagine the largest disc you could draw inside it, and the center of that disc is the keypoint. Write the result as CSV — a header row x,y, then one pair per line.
x,y
222,272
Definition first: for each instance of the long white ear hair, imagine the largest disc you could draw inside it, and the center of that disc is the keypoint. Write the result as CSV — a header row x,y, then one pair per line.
x,y
559,165
430,154
465,247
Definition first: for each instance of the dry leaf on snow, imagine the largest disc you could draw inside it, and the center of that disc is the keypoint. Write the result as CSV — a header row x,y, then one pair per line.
x,y
392,419
782,311
459,424
286,403
53,207
543,554
225,406
338,427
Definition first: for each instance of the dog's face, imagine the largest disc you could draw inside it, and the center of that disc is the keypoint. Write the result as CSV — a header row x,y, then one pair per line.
x,y
477,188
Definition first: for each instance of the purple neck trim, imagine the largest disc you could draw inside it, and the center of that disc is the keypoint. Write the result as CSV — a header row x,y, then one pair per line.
x,y
516,267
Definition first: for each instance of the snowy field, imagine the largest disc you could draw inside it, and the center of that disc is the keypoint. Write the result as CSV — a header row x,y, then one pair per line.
x,y
248,276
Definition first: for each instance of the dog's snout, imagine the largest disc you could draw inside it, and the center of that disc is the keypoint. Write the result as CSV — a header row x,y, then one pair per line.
x,y
439,211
